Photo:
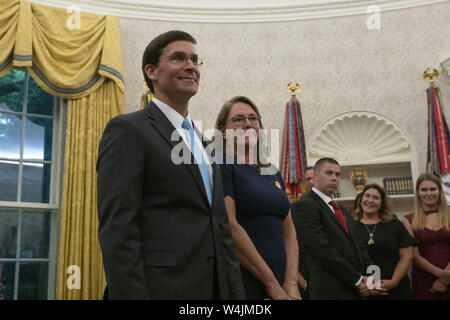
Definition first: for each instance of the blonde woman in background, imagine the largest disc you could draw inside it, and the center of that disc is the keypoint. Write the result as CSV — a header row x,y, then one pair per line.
x,y
430,225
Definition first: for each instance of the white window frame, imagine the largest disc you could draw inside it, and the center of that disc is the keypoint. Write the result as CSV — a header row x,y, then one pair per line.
x,y
54,205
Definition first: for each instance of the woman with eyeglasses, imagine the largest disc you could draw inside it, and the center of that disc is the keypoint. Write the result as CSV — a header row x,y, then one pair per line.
x,y
388,243
430,226
258,208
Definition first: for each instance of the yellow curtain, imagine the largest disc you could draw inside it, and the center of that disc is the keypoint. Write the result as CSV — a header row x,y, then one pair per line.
x,y
66,61
82,63
86,119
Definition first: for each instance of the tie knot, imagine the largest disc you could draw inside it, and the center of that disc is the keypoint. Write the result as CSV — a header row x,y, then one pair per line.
x,y
333,204
186,124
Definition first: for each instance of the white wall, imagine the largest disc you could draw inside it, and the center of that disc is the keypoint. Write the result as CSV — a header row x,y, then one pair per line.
x,y
340,64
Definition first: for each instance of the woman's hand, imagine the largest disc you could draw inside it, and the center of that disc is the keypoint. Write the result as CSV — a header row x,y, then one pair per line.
x,y
388,284
445,277
291,288
301,281
438,287
276,292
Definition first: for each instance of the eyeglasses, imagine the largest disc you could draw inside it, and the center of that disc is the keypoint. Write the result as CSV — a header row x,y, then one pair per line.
x,y
239,120
181,58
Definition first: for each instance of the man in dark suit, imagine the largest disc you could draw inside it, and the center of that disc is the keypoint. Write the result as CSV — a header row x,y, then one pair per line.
x,y
336,261
164,231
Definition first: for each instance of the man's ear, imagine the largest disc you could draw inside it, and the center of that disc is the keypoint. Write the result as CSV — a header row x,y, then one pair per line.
x,y
150,71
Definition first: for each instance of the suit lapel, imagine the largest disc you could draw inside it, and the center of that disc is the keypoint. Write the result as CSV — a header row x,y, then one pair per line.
x,y
163,125
350,235
329,212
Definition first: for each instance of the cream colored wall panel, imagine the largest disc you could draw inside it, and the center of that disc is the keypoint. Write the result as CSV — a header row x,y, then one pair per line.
x,y
340,64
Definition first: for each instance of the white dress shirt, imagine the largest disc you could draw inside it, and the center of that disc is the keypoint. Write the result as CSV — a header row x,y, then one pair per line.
x,y
324,197
177,120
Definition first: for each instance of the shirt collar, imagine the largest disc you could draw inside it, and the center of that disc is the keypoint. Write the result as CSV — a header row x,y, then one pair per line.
x,y
322,195
174,117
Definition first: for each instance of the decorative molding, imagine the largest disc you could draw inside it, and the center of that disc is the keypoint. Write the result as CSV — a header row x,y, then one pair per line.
x,y
233,11
357,137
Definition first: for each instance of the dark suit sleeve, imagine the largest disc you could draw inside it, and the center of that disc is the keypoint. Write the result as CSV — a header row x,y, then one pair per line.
x,y
120,174
307,223
234,288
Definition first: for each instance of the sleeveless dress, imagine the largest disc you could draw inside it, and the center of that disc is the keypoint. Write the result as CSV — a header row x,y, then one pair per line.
x,y
435,247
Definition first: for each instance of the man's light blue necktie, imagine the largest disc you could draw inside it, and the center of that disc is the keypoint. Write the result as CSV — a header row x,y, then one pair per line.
x,y
198,155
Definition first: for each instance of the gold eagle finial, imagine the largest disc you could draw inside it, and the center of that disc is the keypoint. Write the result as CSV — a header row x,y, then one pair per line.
x,y
430,73
293,88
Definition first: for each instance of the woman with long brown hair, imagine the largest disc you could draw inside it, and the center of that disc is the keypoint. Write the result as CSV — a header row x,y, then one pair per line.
x,y
388,243
257,206
430,226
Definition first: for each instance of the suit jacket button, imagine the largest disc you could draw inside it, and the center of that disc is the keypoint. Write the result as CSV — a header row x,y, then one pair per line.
x,y
211,259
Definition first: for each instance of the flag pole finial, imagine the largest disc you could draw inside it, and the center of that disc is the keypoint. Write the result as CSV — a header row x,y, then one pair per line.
x,y
430,73
147,96
293,88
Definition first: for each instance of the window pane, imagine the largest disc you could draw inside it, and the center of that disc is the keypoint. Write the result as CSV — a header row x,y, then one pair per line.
x,y
33,280
10,132
8,233
35,235
9,175
12,91
7,272
36,182
39,101
38,139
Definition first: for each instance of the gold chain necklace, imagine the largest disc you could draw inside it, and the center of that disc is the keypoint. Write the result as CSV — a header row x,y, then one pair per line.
x,y
371,241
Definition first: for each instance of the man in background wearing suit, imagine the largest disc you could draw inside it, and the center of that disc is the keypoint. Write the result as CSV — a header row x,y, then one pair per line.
x,y
164,231
309,178
335,259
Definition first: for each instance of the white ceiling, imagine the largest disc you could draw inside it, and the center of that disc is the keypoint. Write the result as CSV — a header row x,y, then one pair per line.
x,y
223,11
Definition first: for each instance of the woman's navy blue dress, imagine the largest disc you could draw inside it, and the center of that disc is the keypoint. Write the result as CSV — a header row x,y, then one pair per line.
x,y
261,207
